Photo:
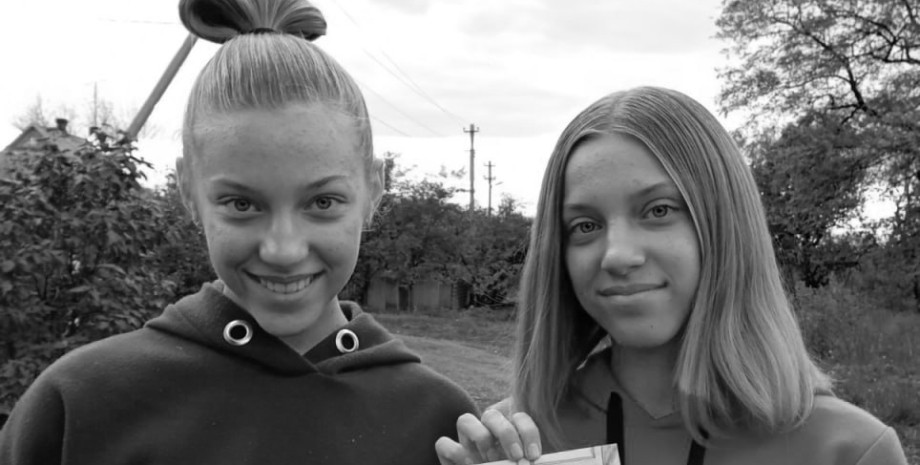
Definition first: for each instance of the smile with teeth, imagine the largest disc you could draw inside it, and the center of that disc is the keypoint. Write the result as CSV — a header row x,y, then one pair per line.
x,y
284,286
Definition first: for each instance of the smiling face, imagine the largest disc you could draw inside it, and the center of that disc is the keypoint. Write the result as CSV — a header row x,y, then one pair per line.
x,y
631,250
282,196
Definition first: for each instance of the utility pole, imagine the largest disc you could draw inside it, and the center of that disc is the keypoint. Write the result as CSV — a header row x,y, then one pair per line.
x,y
141,117
472,132
490,178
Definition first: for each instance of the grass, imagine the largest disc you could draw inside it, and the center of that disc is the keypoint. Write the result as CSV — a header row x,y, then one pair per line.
x,y
469,347
483,374
874,355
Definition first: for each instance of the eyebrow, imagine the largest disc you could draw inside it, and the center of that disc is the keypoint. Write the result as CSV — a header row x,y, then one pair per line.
x,y
664,187
319,183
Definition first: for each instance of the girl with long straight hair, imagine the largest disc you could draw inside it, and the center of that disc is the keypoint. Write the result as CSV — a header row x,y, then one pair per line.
x,y
652,313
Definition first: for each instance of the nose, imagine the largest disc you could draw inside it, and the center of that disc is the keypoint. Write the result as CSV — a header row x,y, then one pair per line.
x,y
284,244
624,251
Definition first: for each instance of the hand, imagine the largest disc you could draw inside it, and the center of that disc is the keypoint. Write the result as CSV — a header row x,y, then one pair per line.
x,y
492,438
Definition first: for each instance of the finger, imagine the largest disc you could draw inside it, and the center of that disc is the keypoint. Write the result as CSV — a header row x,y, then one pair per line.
x,y
475,438
506,433
451,452
530,435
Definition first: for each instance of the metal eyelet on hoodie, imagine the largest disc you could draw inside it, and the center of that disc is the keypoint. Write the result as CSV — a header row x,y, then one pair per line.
x,y
346,341
238,333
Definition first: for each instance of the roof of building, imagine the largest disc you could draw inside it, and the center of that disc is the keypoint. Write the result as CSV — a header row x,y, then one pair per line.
x,y
35,133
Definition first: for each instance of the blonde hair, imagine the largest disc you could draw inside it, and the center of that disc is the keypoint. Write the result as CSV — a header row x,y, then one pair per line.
x,y
267,61
743,365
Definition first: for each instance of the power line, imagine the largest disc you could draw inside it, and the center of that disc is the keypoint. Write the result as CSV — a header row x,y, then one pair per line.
x,y
419,88
369,89
139,21
388,125
408,82
405,79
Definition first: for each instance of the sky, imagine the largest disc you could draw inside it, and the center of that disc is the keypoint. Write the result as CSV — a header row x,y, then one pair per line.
x,y
519,70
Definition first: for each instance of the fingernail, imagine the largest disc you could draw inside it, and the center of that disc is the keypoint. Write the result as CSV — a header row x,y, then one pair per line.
x,y
533,450
516,452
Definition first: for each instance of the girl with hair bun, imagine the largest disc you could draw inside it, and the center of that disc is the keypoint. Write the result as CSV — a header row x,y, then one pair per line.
x,y
652,313
265,365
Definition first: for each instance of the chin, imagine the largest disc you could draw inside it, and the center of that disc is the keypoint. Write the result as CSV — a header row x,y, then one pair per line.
x,y
278,324
641,340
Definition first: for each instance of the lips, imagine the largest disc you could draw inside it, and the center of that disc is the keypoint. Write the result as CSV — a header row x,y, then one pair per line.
x,y
628,289
284,284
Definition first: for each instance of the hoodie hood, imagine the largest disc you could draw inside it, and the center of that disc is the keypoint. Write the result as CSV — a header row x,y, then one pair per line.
x,y
595,381
202,317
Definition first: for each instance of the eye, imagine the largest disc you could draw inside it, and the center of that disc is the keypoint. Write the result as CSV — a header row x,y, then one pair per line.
x,y
584,227
323,203
660,211
241,205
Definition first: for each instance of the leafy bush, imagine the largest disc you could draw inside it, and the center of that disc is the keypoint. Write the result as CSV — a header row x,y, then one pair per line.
x,y
183,258
77,233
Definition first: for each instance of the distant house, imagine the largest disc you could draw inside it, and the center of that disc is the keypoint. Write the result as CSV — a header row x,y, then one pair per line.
x,y
385,293
34,135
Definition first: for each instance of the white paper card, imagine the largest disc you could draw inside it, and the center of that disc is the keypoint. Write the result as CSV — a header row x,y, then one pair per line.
x,y
597,455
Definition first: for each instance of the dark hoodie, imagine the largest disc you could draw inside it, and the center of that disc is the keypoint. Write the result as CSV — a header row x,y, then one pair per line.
x,y
174,392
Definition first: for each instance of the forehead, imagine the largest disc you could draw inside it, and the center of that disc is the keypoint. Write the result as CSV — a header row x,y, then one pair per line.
x,y
296,139
612,163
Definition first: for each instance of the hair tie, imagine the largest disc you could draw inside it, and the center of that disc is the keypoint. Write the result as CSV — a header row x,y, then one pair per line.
x,y
263,30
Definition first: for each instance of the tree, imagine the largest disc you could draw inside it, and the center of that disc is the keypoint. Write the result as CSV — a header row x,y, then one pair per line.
x,y
852,65
810,180
33,114
420,234
848,57
101,117
491,260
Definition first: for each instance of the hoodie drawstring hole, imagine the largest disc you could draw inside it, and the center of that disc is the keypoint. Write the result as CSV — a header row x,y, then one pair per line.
x,y
237,333
346,341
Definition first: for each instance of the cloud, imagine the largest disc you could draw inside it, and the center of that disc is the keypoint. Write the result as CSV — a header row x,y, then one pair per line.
x,y
655,26
412,7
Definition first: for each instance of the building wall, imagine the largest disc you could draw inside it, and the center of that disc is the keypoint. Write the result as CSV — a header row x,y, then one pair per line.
x,y
382,295
385,294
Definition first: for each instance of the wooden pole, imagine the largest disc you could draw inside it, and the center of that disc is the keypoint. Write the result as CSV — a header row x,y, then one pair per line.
x,y
159,89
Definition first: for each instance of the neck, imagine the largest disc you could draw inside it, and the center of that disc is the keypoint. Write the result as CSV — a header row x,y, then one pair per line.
x,y
647,375
327,323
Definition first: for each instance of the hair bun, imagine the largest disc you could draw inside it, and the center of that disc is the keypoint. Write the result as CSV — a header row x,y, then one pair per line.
x,y
221,20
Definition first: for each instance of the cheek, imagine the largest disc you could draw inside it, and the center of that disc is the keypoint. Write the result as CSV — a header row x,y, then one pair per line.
x,y
222,243
578,270
686,258
344,239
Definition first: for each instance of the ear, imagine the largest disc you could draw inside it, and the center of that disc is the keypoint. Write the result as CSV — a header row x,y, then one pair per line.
x,y
377,182
184,178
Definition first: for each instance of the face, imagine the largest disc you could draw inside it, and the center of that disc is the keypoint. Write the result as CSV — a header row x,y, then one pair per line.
x,y
631,250
282,196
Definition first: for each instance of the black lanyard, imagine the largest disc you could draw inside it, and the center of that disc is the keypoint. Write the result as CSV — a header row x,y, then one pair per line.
x,y
616,431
